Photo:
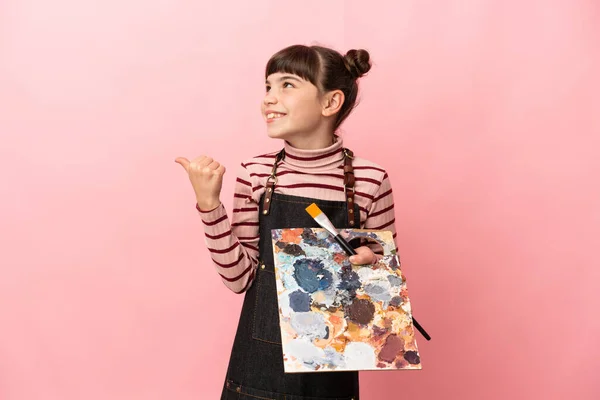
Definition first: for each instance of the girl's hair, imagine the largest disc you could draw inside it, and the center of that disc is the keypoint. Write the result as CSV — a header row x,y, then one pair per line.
x,y
325,68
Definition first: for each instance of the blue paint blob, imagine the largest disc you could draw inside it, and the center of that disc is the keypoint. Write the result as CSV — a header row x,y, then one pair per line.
x,y
299,301
311,275
348,285
349,280
377,292
395,280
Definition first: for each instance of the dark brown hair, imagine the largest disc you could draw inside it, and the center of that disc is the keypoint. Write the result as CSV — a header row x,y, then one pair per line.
x,y
325,68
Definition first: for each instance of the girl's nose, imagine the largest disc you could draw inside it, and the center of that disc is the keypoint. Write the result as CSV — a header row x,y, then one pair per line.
x,y
270,99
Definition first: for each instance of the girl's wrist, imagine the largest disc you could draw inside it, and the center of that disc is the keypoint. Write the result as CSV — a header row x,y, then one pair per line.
x,y
207,207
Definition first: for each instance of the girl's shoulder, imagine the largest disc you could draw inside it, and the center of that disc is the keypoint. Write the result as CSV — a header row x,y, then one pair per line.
x,y
367,168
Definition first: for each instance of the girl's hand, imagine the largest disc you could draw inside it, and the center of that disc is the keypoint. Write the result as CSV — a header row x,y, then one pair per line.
x,y
206,176
365,256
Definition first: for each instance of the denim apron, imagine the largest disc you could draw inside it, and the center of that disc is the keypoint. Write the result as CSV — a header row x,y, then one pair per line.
x,y
255,369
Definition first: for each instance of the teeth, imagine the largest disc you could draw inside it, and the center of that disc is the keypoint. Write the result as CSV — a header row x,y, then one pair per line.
x,y
274,115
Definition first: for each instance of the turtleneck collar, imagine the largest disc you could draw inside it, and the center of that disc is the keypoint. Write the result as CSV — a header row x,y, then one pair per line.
x,y
315,159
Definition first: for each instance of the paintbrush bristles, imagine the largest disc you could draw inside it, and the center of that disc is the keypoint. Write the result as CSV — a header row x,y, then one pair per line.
x,y
313,210
321,219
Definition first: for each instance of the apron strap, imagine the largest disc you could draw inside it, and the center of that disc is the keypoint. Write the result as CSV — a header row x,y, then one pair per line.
x,y
349,184
271,181
349,181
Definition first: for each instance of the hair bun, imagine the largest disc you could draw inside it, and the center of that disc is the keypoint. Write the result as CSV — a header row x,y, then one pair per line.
x,y
357,62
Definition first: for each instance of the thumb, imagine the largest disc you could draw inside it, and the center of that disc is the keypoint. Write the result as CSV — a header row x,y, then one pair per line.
x,y
184,162
364,256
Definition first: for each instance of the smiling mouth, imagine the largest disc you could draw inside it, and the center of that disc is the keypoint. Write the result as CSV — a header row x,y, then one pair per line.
x,y
274,116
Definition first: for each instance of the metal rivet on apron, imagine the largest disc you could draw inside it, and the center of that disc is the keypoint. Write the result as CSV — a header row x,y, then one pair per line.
x,y
238,389
267,200
350,200
265,212
351,222
270,190
262,266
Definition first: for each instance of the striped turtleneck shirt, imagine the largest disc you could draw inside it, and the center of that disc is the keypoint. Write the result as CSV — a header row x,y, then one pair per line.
x,y
317,174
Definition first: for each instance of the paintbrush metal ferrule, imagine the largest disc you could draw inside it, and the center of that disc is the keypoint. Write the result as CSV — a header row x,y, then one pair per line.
x,y
326,224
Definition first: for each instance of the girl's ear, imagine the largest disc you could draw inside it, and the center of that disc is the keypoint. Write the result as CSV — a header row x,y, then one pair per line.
x,y
332,102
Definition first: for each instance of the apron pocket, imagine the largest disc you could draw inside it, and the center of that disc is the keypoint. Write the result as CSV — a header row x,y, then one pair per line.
x,y
265,325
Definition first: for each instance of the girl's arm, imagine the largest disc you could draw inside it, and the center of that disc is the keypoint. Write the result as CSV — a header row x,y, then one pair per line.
x,y
381,212
234,246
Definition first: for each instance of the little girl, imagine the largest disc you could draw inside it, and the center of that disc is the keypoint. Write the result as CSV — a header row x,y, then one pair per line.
x,y
310,91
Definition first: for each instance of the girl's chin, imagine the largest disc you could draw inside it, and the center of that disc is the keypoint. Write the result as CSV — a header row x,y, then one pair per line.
x,y
277,134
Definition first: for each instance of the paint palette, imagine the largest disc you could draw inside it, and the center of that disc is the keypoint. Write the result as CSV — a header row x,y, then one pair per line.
x,y
338,317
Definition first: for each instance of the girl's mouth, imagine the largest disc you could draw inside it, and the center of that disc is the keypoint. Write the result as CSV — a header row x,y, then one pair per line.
x,y
274,116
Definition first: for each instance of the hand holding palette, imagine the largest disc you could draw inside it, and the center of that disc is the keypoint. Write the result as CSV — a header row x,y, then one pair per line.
x,y
338,317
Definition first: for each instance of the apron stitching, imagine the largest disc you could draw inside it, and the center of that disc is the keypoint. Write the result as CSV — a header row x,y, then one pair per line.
x,y
254,317
267,341
257,397
255,303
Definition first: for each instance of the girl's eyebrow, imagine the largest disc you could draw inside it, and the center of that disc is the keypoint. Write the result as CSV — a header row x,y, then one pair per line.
x,y
285,77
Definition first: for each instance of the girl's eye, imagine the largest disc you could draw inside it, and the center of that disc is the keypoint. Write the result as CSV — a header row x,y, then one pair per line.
x,y
284,85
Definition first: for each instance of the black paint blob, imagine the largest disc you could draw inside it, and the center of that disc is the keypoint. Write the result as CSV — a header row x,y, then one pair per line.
x,y
412,357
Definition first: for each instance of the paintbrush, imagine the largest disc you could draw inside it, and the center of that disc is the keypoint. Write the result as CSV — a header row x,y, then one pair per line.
x,y
326,224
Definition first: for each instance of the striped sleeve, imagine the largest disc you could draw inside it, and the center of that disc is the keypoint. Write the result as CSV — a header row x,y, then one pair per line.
x,y
381,213
233,246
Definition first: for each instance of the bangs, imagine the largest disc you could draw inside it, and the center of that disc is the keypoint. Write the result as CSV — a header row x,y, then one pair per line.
x,y
298,60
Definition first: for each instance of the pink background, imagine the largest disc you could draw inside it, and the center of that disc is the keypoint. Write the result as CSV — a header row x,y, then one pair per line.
x,y
485,113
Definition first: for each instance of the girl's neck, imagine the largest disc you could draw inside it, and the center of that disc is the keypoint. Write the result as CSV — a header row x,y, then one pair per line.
x,y
311,160
312,143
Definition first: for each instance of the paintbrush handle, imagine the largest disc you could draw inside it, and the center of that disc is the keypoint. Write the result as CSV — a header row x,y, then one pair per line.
x,y
347,248
420,329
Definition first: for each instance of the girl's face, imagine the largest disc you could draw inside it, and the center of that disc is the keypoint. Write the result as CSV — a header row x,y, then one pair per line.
x,y
292,109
